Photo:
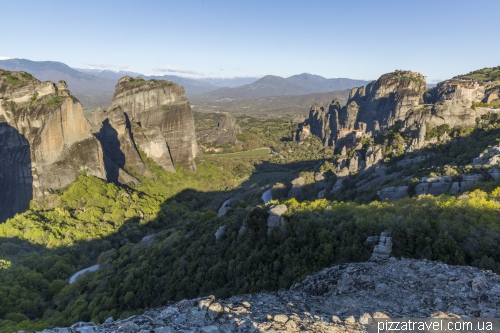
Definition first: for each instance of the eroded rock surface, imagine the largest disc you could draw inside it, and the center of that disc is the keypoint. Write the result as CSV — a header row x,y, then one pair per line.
x,y
45,140
160,104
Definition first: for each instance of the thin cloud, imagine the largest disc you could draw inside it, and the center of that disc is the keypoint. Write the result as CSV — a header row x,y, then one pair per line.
x,y
170,69
105,65
437,80
5,58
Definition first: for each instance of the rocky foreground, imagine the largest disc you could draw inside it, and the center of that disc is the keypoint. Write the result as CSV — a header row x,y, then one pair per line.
x,y
337,299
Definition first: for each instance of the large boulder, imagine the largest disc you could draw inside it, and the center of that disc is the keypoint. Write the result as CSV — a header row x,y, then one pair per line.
x,y
275,218
393,193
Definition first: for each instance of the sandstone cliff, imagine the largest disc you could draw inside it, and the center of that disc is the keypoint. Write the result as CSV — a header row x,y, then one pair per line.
x,y
45,141
162,105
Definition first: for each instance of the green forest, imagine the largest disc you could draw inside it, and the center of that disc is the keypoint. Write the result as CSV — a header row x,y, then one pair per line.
x,y
94,222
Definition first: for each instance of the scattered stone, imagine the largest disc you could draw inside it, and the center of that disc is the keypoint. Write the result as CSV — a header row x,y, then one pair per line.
x,y
365,319
214,310
280,318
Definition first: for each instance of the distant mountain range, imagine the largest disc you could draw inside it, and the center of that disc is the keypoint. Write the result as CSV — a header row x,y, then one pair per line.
x,y
79,83
95,87
213,83
271,85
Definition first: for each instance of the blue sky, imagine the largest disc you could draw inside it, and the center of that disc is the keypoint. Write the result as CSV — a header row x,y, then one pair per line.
x,y
356,39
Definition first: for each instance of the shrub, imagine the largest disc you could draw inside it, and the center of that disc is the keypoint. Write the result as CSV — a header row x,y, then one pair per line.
x,y
54,101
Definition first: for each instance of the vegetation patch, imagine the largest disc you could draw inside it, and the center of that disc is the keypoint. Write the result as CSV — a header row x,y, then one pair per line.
x,y
486,74
54,101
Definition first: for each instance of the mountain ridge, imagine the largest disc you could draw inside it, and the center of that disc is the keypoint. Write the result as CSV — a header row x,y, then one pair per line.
x,y
272,85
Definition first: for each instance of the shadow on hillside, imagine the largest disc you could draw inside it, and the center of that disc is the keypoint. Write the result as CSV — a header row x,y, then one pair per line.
x,y
189,219
175,216
16,180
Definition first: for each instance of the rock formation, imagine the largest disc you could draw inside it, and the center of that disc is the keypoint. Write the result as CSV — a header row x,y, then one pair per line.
x,y
384,247
323,122
163,105
400,97
393,193
45,141
111,129
275,218
341,298
153,116
224,133
369,109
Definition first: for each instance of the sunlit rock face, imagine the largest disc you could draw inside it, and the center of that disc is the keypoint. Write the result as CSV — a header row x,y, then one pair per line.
x,y
162,105
44,119
382,103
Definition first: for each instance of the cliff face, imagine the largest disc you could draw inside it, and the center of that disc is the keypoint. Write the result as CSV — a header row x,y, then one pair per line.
x,y
111,129
225,132
373,108
401,96
162,105
449,103
383,102
45,140
323,122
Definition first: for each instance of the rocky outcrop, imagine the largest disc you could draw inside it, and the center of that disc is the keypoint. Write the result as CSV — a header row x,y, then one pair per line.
x,y
393,193
162,105
400,97
490,156
275,218
323,122
296,189
373,155
384,247
340,298
382,103
45,141
224,133
433,185
221,231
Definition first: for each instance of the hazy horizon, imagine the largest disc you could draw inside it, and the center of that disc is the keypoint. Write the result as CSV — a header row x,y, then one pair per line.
x,y
224,39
